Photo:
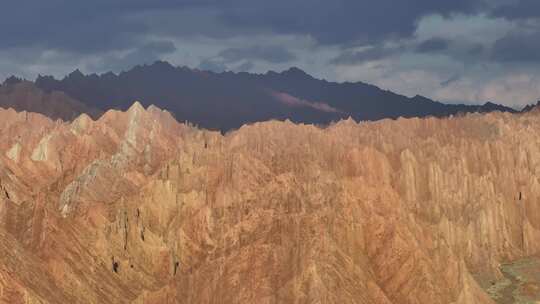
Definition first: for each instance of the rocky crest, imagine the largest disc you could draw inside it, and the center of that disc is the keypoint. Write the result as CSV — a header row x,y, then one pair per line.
x,y
226,101
137,208
26,96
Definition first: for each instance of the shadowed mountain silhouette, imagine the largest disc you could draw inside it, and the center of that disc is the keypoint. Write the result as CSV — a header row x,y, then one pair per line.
x,y
228,100
22,95
531,107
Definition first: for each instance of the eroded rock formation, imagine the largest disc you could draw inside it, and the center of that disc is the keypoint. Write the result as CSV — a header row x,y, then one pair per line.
x,y
137,208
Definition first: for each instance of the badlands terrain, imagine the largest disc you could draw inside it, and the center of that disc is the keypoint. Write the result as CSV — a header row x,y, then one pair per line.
x,y
135,207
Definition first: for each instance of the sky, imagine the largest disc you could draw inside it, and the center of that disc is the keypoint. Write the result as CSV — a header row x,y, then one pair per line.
x,y
467,51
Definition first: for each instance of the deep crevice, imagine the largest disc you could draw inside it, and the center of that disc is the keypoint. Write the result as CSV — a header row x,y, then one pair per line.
x,y
176,265
125,230
115,265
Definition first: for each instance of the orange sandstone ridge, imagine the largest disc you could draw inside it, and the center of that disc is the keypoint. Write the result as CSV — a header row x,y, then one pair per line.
x,y
137,208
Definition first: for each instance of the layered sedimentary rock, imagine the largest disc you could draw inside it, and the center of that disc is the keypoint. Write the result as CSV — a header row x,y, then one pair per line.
x,y
137,208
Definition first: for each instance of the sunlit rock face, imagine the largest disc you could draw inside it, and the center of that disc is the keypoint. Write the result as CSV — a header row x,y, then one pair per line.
x,y
137,208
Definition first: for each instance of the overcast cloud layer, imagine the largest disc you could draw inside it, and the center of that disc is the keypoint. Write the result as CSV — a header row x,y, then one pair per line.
x,y
469,51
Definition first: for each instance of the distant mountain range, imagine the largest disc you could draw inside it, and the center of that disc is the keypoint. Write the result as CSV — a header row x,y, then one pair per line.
x,y
25,96
225,101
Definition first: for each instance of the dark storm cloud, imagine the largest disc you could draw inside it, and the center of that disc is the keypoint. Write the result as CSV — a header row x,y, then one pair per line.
x,y
343,21
71,26
523,44
456,50
520,9
93,26
272,54
158,47
82,26
517,47
147,53
475,50
56,36
433,45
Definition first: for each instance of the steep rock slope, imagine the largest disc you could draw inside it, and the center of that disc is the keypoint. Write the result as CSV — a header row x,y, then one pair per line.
x,y
137,208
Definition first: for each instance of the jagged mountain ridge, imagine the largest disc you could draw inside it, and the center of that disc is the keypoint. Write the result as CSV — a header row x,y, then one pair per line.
x,y
25,96
137,208
225,101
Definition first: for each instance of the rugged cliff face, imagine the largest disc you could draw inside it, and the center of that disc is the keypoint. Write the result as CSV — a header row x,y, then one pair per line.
x,y
137,208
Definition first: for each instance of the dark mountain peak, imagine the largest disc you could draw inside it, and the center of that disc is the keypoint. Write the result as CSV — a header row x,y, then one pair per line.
x,y
295,72
93,76
421,99
162,65
531,107
491,107
108,76
75,75
46,83
44,78
77,72
157,68
12,80
226,101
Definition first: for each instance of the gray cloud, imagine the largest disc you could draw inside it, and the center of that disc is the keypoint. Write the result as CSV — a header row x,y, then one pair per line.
x,y
451,80
342,21
55,36
517,47
520,9
212,65
272,54
458,50
100,25
241,59
475,49
145,54
245,67
369,54
433,45
66,25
